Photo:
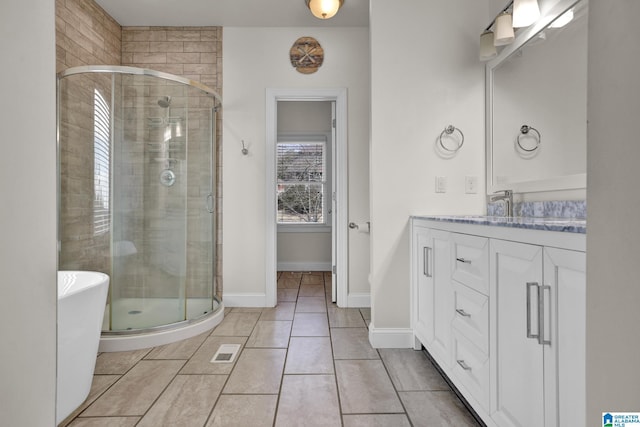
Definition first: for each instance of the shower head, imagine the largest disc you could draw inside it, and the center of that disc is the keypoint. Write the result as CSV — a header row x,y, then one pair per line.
x,y
164,101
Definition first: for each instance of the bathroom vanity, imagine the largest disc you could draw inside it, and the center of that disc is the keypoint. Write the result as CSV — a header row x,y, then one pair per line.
x,y
499,304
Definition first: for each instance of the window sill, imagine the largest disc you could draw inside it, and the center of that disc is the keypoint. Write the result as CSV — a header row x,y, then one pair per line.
x,y
304,228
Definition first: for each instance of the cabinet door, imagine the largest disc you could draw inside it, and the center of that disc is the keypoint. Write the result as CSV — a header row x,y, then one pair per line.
x,y
433,296
422,287
517,371
443,308
565,398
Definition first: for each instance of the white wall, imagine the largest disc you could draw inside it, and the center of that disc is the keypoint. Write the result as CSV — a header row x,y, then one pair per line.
x,y
304,116
304,251
28,293
613,239
425,76
256,59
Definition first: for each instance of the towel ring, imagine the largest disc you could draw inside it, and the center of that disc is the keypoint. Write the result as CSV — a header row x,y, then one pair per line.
x,y
524,131
449,130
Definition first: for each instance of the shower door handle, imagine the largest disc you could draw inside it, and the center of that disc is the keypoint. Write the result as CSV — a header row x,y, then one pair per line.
x,y
210,202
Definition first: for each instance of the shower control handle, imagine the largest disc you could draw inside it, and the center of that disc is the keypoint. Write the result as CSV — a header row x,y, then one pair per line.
x,y
210,202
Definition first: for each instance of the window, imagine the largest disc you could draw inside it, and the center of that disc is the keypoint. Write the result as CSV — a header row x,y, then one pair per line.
x,y
302,182
101,155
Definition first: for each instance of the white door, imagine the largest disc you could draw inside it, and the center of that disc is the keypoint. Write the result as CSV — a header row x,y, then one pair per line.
x,y
517,374
333,208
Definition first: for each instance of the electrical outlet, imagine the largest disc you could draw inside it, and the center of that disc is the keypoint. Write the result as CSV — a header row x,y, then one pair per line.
x,y
441,184
471,184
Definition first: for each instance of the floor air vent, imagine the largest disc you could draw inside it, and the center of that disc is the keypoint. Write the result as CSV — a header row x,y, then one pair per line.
x,y
226,353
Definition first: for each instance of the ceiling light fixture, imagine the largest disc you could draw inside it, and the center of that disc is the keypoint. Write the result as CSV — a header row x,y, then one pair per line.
x,y
324,9
525,12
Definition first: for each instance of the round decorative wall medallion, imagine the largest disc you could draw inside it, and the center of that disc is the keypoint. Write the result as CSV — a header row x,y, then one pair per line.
x,y
306,55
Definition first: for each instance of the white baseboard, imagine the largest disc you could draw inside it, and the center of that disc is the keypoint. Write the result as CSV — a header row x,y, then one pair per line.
x,y
359,300
244,300
304,266
390,337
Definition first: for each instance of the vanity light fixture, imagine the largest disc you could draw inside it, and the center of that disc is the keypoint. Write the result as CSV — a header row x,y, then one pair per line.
x,y
487,48
324,9
489,40
563,20
504,30
525,13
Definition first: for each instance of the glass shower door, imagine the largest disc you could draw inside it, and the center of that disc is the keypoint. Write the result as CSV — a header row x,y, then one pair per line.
x,y
201,205
150,167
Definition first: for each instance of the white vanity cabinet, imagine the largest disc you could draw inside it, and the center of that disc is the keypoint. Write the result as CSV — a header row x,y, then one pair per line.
x,y
516,322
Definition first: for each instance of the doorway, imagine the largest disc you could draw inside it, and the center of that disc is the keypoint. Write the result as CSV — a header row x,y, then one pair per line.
x,y
328,189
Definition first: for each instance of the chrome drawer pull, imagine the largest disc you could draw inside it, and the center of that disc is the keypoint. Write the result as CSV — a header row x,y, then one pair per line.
x,y
462,313
466,261
463,365
529,286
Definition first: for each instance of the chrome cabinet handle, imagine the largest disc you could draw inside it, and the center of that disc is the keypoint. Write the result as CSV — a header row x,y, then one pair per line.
x,y
462,313
466,261
463,365
529,286
426,251
541,316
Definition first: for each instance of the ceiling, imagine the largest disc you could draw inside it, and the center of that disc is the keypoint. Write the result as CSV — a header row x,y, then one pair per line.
x,y
231,13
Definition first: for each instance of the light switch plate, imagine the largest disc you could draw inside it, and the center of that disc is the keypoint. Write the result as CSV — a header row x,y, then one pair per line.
x,y
441,184
471,184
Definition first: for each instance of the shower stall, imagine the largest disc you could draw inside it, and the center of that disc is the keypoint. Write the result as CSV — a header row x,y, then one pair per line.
x,y
138,199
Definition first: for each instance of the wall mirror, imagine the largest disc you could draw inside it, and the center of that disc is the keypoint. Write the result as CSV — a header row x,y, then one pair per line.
x,y
540,81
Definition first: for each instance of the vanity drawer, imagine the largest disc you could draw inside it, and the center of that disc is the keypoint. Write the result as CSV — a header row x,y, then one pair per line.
x,y
471,315
471,261
471,367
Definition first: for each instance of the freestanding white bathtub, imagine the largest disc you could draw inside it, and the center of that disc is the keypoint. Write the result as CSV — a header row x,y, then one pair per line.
x,y
82,296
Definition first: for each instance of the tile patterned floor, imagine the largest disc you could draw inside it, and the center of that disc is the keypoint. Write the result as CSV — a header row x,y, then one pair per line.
x,y
303,363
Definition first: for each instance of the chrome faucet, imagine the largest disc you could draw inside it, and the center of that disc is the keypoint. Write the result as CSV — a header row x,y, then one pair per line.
x,y
507,197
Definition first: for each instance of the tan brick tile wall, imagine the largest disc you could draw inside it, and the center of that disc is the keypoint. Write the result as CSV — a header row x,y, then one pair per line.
x,y
192,52
85,35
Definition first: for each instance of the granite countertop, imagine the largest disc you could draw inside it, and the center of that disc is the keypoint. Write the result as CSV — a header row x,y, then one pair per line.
x,y
567,225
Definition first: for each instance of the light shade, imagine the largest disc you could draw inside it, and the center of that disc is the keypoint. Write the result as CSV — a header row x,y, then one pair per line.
x,y
487,48
563,19
525,13
504,30
324,9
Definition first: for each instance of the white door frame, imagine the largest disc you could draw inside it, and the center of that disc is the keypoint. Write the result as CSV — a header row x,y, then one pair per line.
x,y
339,95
